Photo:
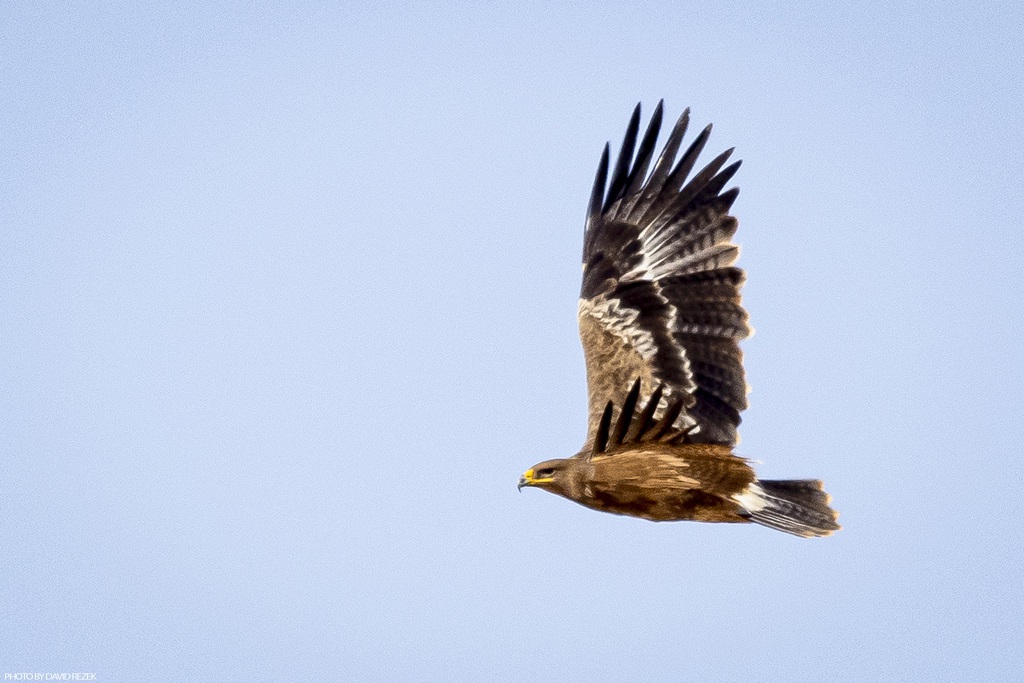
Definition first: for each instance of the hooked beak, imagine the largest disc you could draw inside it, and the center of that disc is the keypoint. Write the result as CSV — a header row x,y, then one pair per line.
x,y
526,479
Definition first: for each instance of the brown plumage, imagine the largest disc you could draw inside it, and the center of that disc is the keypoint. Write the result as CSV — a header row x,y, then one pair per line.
x,y
660,321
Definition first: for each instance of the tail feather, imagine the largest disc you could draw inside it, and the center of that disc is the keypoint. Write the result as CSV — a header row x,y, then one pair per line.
x,y
796,506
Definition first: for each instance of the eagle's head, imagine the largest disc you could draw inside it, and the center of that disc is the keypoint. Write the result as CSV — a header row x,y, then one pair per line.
x,y
558,476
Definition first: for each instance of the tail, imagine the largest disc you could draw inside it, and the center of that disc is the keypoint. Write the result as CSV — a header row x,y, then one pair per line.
x,y
796,506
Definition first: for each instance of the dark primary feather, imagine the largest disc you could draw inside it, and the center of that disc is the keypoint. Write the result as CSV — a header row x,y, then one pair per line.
x,y
596,198
661,196
665,424
601,440
644,155
620,176
645,421
626,414
656,183
634,428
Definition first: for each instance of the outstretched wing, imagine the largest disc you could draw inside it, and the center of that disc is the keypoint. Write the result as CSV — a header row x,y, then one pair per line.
x,y
660,299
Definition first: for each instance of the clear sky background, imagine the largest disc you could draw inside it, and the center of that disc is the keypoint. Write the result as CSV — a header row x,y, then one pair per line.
x,y
287,304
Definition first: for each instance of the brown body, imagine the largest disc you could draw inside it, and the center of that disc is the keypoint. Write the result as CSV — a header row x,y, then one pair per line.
x,y
663,483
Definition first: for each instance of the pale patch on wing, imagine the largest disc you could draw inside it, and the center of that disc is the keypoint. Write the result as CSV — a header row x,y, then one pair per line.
x,y
651,468
656,264
673,465
706,247
620,322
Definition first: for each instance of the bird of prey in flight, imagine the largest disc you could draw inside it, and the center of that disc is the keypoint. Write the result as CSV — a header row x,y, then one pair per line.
x,y
660,321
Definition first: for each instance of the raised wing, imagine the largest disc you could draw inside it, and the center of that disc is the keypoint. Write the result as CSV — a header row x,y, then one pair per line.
x,y
660,299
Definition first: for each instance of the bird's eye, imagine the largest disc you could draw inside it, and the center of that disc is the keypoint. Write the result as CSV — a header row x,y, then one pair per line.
x,y
546,473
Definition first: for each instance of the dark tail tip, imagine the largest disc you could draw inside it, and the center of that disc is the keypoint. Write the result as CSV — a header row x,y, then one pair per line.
x,y
796,506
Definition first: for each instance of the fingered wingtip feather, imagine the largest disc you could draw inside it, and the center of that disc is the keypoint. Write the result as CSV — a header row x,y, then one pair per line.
x,y
668,419
682,124
596,198
622,162
652,189
645,422
601,438
600,179
626,414
632,191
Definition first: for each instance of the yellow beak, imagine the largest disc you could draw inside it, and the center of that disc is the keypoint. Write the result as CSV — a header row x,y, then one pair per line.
x,y
528,479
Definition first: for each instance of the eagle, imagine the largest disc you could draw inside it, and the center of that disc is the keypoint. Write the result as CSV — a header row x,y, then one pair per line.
x,y
660,321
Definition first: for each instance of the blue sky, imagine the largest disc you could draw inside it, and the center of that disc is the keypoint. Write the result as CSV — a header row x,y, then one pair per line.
x,y
287,304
